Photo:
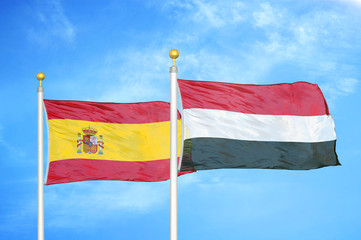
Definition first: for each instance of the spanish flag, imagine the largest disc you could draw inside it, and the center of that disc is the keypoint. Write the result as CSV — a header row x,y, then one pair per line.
x,y
108,141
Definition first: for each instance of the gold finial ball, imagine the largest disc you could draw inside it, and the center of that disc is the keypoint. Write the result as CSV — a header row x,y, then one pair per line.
x,y
173,53
40,76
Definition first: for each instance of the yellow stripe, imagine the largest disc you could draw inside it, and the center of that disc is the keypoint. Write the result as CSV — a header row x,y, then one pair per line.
x,y
122,142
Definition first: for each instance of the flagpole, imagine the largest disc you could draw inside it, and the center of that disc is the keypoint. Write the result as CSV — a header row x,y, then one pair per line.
x,y
173,148
40,76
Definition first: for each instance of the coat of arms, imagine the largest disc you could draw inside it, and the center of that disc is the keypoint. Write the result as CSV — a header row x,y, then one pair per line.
x,y
90,141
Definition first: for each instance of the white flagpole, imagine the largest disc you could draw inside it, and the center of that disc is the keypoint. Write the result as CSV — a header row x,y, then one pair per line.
x,y
173,148
40,76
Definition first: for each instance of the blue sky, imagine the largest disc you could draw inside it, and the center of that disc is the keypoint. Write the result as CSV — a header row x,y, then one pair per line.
x,y
117,51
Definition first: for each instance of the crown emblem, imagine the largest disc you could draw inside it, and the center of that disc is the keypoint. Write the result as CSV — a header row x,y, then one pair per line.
x,y
89,131
91,143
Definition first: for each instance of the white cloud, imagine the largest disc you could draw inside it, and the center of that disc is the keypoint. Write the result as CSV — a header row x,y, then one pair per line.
x,y
218,15
268,16
87,203
348,85
207,65
52,23
306,41
241,196
215,14
338,87
353,2
304,34
136,77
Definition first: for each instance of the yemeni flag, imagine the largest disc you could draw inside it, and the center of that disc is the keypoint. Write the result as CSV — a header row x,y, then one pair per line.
x,y
108,141
281,126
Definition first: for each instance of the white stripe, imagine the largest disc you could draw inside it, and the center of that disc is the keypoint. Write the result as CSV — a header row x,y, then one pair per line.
x,y
256,127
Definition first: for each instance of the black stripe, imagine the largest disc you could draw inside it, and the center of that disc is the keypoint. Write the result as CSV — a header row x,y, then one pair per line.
x,y
214,153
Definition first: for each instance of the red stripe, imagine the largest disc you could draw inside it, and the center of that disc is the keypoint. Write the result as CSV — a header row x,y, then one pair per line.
x,y
75,170
146,112
300,98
